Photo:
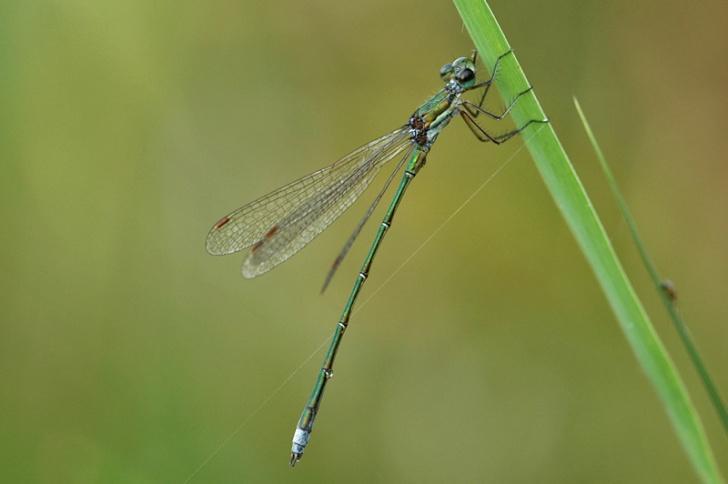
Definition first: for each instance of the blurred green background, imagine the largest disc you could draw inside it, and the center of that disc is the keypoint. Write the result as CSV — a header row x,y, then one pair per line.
x,y
128,354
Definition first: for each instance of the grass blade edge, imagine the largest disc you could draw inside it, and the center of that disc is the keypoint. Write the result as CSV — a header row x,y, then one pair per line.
x,y
571,198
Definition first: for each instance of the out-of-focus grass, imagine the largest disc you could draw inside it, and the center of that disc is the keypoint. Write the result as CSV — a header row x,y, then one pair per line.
x,y
573,201
129,355
665,293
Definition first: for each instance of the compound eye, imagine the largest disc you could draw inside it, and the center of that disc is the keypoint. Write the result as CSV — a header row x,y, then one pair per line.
x,y
466,75
445,70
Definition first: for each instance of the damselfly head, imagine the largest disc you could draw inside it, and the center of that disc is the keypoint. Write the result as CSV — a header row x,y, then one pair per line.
x,y
461,70
446,72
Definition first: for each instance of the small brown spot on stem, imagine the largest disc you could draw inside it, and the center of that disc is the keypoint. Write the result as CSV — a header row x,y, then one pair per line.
x,y
669,288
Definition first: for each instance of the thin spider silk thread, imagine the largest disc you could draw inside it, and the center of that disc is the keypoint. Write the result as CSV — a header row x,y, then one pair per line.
x,y
321,346
439,228
255,412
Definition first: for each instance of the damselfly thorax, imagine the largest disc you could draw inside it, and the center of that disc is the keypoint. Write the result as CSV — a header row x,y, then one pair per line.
x,y
433,115
426,124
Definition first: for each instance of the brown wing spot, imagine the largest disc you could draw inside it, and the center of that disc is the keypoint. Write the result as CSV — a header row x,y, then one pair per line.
x,y
273,230
221,223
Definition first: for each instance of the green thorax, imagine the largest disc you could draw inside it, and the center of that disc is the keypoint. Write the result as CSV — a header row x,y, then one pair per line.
x,y
433,108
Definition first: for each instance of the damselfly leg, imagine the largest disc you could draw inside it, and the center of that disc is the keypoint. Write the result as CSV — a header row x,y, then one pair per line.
x,y
471,110
485,85
485,137
474,110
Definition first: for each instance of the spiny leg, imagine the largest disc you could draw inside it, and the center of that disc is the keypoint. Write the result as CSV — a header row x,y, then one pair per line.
x,y
474,109
487,83
479,132
484,136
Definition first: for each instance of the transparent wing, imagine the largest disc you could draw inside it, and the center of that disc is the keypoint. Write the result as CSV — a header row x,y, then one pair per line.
x,y
362,222
251,223
317,212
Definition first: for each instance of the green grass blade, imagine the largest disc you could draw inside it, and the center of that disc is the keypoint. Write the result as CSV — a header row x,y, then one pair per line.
x,y
667,300
574,204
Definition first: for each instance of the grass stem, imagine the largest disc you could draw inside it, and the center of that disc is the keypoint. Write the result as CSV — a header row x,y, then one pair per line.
x,y
572,200
663,286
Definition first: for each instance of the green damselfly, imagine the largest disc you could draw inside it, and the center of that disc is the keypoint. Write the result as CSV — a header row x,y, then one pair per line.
x,y
281,223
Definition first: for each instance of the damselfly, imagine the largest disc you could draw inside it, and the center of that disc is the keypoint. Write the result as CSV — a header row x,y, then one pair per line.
x,y
281,223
